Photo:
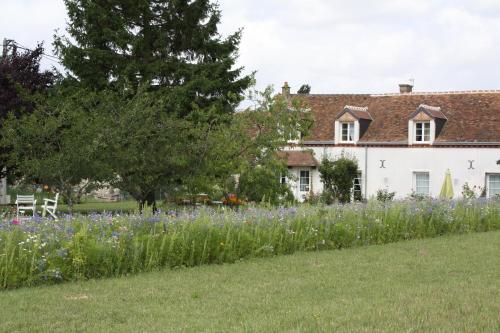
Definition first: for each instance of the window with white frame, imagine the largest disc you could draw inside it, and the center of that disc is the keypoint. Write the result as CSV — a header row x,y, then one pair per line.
x,y
282,179
493,186
347,134
357,189
423,131
289,137
305,181
421,181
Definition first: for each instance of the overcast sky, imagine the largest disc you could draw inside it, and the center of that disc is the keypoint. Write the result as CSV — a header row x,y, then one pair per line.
x,y
336,46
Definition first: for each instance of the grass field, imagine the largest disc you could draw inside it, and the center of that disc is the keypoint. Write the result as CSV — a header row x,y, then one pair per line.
x,y
128,206
124,206
446,284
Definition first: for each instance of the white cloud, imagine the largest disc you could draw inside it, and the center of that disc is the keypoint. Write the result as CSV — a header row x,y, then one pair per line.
x,y
371,46
31,21
336,45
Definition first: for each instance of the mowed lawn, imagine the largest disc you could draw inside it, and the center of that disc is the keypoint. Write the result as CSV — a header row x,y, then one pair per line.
x,y
101,206
447,284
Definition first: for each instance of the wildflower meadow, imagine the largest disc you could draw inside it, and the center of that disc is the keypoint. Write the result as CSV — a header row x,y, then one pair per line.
x,y
43,251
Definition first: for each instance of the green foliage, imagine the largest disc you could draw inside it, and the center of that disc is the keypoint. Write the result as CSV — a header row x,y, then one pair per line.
x,y
417,196
169,84
173,47
473,192
314,198
450,281
93,207
338,178
249,147
21,84
467,192
37,252
148,105
304,89
384,195
150,150
59,143
262,183
146,148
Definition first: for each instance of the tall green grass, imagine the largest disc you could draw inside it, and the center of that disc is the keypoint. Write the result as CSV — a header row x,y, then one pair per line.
x,y
43,251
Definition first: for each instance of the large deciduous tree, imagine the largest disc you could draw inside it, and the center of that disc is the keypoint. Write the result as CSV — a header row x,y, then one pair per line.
x,y
59,143
175,77
253,140
175,155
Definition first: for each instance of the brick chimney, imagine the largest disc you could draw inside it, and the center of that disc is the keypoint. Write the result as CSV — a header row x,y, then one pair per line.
x,y
405,88
285,90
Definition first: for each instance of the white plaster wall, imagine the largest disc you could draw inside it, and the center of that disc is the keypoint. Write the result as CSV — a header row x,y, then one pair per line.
x,y
319,152
315,182
400,163
317,185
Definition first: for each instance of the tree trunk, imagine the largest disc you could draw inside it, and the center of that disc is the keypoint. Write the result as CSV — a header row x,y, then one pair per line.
x,y
151,201
141,205
148,200
69,199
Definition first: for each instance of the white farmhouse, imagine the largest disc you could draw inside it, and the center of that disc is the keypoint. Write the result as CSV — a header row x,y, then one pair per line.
x,y
403,142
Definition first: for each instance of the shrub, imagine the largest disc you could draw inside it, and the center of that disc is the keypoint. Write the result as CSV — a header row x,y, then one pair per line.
x,y
384,195
314,198
414,196
338,177
262,184
473,192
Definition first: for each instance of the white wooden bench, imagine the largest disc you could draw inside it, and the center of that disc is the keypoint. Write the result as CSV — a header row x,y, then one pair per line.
x,y
25,203
50,206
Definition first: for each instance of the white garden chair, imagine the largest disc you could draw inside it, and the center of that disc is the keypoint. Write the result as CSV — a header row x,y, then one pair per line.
x,y
50,206
25,203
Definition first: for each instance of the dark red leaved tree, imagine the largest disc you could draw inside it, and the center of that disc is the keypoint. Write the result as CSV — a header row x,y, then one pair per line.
x,y
20,80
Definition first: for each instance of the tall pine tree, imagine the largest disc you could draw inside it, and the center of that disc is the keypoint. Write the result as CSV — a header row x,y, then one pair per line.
x,y
172,46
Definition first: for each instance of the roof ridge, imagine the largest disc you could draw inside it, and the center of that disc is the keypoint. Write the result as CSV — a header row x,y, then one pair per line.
x,y
321,95
415,93
457,92
356,108
429,107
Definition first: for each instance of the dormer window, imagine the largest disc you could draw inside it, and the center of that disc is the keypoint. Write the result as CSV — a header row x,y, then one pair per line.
x,y
351,124
425,124
348,130
290,137
423,131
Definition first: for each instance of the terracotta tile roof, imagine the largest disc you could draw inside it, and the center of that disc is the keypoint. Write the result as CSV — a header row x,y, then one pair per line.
x,y
299,158
470,116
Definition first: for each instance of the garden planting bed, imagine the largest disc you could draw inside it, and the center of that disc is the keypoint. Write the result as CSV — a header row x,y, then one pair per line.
x,y
43,251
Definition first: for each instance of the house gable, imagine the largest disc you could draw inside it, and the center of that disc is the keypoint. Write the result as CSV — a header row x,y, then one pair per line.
x,y
346,117
422,116
432,112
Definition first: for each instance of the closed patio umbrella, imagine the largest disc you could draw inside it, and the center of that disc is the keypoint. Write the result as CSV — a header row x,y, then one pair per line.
x,y
447,188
